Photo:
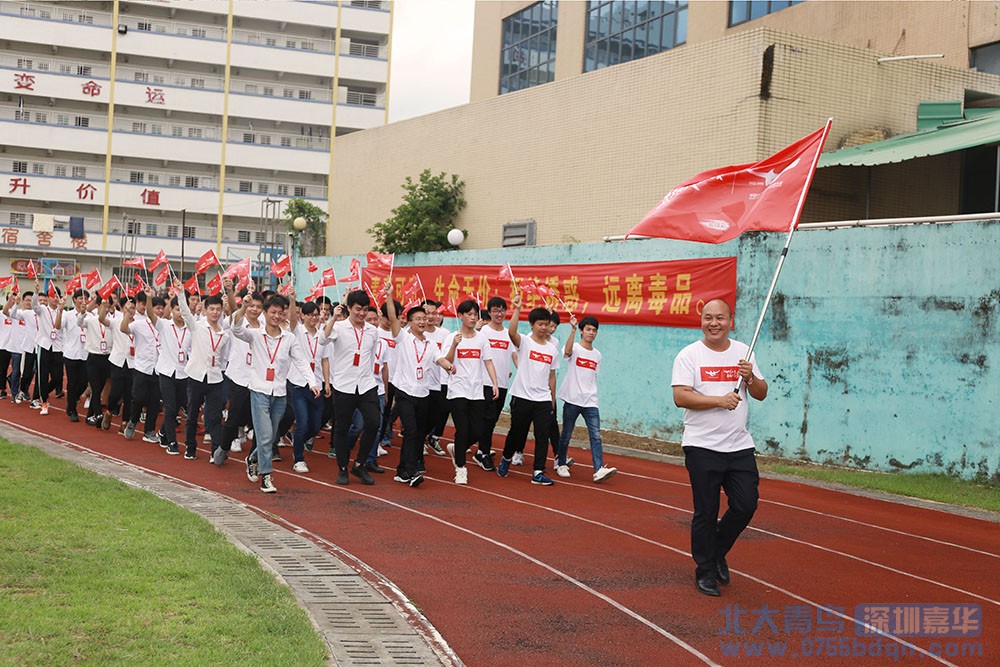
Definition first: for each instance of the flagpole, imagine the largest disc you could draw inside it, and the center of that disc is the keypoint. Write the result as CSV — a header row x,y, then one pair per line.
x,y
784,250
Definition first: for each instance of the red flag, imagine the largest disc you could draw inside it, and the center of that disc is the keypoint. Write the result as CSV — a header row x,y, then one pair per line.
x,y
528,286
244,282
52,289
544,290
329,278
109,287
720,204
214,286
506,274
159,261
162,276
137,262
32,273
316,292
413,291
355,274
371,295
381,261
449,309
7,281
73,284
411,304
141,284
240,269
205,261
312,268
92,279
192,286
285,289
281,267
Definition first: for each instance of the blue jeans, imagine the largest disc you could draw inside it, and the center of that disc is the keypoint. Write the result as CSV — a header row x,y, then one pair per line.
x,y
592,418
267,411
15,373
308,410
380,438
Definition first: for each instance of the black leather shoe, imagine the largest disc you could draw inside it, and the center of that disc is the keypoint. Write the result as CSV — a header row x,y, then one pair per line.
x,y
74,417
342,477
362,474
374,467
723,571
708,586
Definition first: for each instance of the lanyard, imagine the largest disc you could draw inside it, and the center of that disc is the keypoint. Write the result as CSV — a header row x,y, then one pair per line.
x,y
211,339
276,348
313,346
419,357
358,337
180,339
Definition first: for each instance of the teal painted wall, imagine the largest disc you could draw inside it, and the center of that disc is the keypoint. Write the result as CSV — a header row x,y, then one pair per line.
x,y
882,347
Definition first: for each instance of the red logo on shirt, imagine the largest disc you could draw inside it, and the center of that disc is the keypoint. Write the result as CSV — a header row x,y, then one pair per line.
x,y
720,373
469,354
499,344
586,363
538,356
390,341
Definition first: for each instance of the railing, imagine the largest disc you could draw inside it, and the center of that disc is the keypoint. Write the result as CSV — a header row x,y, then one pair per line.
x,y
251,185
162,128
308,139
165,178
280,41
240,86
30,166
65,13
20,219
50,116
175,28
32,62
362,99
194,80
364,50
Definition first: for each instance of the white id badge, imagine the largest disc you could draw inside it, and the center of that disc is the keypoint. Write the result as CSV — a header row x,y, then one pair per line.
x,y
52,335
180,357
420,372
83,338
249,359
104,346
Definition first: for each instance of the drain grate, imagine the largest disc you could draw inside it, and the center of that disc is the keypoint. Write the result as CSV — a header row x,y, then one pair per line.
x,y
380,651
360,618
337,588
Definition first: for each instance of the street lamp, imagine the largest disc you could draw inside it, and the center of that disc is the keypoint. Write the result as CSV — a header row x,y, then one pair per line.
x,y
299,224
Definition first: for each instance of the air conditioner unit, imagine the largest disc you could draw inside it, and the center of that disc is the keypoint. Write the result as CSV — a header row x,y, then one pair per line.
x,y
518,233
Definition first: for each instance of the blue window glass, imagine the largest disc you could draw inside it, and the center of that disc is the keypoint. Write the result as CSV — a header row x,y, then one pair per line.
x,y
741,11
529,46
634,29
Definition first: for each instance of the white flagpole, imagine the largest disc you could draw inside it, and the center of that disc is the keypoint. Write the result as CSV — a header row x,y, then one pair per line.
x,y
788,242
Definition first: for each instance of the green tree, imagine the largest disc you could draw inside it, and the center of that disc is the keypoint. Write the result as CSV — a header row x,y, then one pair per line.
x,y
422,222
313,239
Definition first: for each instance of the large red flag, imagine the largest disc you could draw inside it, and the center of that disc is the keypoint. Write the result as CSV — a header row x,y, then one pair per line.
x,y
240,269
31,272
205,261
355,274
281,267
137,262
159,260
720,204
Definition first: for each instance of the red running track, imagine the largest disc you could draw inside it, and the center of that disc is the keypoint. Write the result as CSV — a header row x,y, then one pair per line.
x,y
512,574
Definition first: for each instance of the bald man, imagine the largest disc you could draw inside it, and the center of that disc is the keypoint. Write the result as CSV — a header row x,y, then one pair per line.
x,y
711,381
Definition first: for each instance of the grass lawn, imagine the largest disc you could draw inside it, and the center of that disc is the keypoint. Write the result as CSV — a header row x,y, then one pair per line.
x,y
95,572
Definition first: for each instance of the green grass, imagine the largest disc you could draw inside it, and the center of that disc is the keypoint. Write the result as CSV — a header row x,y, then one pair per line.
x,y
940,488
95,572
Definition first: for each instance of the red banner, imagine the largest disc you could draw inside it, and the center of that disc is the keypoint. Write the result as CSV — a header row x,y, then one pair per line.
x,y
666,294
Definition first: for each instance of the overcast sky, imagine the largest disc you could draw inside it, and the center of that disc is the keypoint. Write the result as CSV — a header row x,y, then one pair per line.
x,y
431,56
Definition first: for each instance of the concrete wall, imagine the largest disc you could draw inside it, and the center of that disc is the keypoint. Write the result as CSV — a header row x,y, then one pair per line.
x,y
882,348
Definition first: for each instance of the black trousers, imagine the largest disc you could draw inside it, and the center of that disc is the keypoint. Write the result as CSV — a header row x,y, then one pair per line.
x,y
390,398
98,374
710,471
239,414
76,383
121,390
491,415
145,394
440,409
49,369
211,396
344,405
29,365
523,415
468,417
414,413
173,393
4,365
551,433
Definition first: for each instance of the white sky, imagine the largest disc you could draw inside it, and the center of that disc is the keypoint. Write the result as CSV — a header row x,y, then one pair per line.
x,y
431,56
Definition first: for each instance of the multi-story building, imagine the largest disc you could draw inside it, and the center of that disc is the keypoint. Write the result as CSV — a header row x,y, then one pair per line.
x,y
175,125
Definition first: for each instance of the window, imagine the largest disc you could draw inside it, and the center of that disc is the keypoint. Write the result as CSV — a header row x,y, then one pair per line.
x,y
270,41
286,142
288,92
528,51
156,129
172,231
133,227
19,167
174,181
144,25
283,190
291,44
262,188
986,58
191,181
243,236
38,169
366,97
41,118
618,32
308,46
741,11
150,229
260,237
250,88
62,119
65,69
265,140
138,127
248,137
176,131
305,95
22,114
23,63
299,190
61,170
195,133
79,172
42,67
198,32
136,177
153,179
269,91
81,121
158,79
197,83
142,77
84,70
246,186
19,219
188,232
85,18
366,48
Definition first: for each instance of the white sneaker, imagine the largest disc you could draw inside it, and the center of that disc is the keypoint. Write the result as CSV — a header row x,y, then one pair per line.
x,y
517,459
36,404
44,410
266,485
381,451
461,475
207,439
563,471
235,446
604,473
86,404
300,466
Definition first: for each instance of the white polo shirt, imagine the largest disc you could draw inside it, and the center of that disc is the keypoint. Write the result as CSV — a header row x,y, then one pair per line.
x,y
352,357
146,340
412,360
175,349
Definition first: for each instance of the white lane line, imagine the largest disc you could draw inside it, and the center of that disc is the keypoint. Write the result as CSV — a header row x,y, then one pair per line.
x,y
625,610
788,539
675,550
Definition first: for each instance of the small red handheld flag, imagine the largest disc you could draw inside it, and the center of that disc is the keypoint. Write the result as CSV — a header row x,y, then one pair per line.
x,y
52,290
329,278
214,286
355,274
240,269
32,273
506,274
281,267
544,290
381,261
316,292
159,260
137,262
528,286
312,268
7,281
207,260
192,286
161,276
73,284
109,287
92,279
285,289
448,309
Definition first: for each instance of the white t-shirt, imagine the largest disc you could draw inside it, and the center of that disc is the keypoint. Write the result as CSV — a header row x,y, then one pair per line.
x,y
6,324
413,361
470,375
579,385
99,337
713,373
437,373
502,354
534,362
388,346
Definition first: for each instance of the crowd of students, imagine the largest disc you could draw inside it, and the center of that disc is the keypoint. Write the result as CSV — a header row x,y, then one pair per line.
x,y
258,366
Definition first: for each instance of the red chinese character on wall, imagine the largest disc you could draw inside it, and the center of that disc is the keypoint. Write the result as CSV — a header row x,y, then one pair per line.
x,y
19,183
44,238
92,88
155,96
85,191
151,197
9,236
25,81
79,243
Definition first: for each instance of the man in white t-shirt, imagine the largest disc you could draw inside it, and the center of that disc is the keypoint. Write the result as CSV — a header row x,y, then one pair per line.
x,y
711,380
579,395
502,353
